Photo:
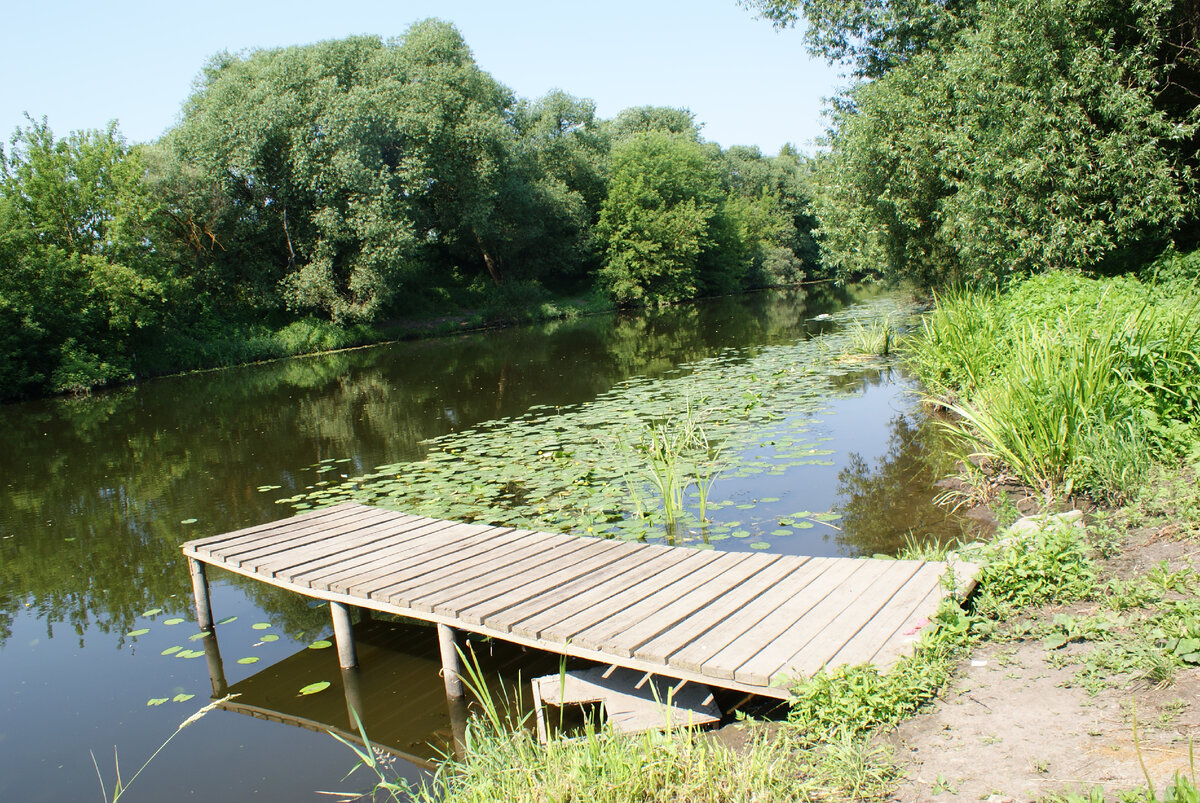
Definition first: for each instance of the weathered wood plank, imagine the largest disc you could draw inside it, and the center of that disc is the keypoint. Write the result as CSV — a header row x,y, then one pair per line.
x,y
250,551
909,632
767,655
327,513
695,655
612,605
696,601
292,559
533,581
493,573
745,596
825,643
886,624
491,547
613,633
422,536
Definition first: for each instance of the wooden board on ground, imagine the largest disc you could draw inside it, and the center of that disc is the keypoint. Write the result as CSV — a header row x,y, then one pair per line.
x,y
633,701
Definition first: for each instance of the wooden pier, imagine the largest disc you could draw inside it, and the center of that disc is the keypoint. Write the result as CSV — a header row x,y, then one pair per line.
x,y
743,621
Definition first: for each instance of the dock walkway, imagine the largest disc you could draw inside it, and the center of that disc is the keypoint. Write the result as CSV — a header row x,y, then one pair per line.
x,y
744,621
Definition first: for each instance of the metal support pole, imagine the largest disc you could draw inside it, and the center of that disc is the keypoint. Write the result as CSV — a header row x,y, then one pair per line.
x,y
451,670
204,617
343,633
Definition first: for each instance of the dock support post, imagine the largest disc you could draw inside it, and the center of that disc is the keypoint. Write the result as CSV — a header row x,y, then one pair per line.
x,y
451,669
343,634
204,617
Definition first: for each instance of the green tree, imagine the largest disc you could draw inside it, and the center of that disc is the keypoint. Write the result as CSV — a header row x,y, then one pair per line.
x,y
656,221
1046,137
81,286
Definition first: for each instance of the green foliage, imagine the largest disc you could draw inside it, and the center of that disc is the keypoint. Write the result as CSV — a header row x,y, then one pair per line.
x,y
82,287
656,220
1066,379
1038,135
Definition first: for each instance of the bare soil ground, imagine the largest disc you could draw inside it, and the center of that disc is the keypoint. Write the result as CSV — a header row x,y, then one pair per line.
x,y
1013,727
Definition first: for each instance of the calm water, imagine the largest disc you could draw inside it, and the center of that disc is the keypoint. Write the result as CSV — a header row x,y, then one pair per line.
x,y
99,493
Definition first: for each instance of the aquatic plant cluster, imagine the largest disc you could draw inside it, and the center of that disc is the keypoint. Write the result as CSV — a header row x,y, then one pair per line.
x,y
600,467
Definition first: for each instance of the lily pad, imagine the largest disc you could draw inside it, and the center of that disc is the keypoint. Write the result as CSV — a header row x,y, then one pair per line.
x,y
141,631
189,521
170,650
157,700
182,698
228,620
314,688
173,621
760,545
153,612
269,637
260,625
249,659
320,644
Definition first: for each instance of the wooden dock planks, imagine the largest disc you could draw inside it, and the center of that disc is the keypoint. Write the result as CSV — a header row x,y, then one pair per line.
x,y
746,621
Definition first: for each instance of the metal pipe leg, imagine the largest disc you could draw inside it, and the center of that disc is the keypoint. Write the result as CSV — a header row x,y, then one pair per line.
x,y
204,617
451,668
343,633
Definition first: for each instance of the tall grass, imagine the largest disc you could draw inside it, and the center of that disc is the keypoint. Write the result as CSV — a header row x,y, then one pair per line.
x,y
1068,382
503,760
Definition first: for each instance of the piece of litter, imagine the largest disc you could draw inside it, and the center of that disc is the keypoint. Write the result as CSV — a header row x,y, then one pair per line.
x,y
979,663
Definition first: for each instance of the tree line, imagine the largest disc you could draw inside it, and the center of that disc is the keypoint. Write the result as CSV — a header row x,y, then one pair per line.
x,y
356,181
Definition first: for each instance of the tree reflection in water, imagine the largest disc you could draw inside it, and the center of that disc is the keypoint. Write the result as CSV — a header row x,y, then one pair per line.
x,y
884,504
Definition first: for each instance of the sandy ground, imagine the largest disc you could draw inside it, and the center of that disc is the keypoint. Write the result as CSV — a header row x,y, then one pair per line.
x,y
1012,728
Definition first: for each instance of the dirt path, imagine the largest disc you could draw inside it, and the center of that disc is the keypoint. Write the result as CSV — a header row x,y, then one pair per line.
x,y
1014,727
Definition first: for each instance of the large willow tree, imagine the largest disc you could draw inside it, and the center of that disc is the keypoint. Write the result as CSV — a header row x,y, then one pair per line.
x,y
346,160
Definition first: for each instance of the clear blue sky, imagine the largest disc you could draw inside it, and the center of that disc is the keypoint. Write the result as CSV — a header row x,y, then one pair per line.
x,y
82,64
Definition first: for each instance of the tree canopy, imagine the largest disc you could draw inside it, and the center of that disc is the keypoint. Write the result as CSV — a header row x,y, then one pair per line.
x,y
1002,137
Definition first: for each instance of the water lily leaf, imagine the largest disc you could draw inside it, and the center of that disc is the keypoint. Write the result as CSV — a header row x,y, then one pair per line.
x,y
314,688
197,636
227,620
189,653
760,545
249,659
157,700
320,644
153,612
269,637
173,621
141,631
170,650
182,698
769,499
781,532
260,625
189,521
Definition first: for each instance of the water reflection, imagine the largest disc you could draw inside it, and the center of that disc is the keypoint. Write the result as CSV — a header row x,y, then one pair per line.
x,y
97,488
886,502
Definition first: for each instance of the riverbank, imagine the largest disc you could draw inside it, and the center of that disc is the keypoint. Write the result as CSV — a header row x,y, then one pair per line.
x,y
1063,387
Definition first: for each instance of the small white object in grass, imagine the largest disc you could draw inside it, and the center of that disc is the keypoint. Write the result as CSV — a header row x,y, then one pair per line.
x,y
979,663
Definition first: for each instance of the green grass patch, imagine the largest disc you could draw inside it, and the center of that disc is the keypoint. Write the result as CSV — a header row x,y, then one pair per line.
x,y
1068,382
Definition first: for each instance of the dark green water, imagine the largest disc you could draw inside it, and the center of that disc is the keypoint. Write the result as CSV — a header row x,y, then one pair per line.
x,y
98,493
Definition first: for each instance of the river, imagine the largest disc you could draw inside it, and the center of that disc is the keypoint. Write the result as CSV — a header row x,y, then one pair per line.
x,y
811,453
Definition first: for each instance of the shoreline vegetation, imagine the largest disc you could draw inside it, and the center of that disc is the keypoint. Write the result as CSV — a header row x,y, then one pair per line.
x,y
832,746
